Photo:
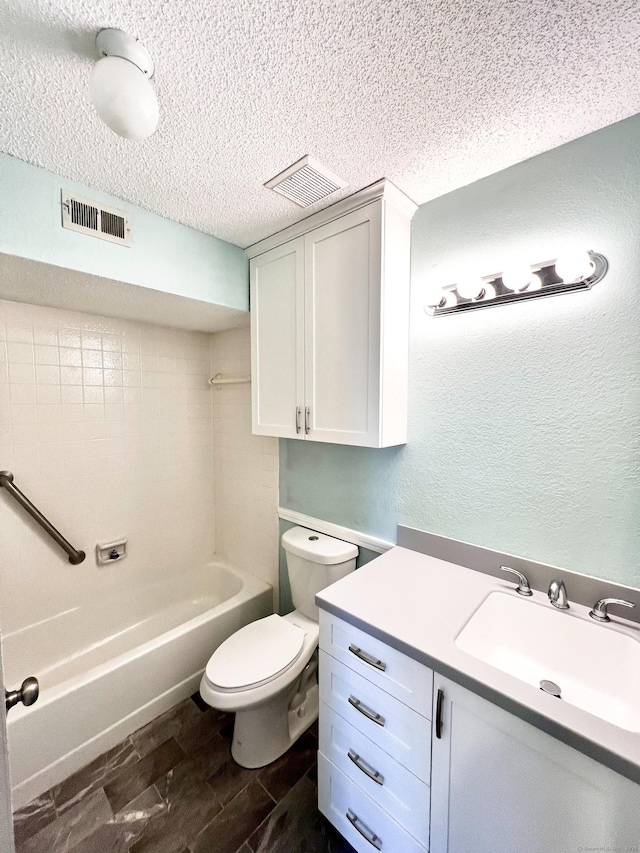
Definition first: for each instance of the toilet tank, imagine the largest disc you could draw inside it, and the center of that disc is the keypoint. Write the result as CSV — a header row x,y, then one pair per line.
x,y
314,561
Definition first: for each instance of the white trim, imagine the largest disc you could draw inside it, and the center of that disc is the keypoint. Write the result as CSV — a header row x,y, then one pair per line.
x,y
381,189
371,543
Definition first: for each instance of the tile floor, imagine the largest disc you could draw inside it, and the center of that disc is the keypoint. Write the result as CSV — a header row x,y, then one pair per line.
x,y
172,787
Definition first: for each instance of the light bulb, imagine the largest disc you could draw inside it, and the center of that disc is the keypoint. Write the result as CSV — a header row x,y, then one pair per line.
x,y
516,277
574,266
124,98
535,283
470,288
434,296
489,291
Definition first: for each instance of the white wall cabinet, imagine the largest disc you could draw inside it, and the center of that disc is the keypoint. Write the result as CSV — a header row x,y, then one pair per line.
x,y
499,785
330,322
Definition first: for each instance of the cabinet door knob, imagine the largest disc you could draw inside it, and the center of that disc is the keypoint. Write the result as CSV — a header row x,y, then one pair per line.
x,y
298,413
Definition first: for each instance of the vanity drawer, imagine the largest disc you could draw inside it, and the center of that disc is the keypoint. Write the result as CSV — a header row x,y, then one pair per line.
x,y
363,823
398,730
401,794
401,676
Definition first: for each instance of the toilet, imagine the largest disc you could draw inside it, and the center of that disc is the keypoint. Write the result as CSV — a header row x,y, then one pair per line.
x,y
267,671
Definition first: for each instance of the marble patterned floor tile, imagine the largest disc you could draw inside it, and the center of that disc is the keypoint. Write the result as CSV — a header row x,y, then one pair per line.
x,y
124,828
166,726
95,775
189,806
199,732
132,781
236,822
33,817
71,827
295,825
227,778
278,778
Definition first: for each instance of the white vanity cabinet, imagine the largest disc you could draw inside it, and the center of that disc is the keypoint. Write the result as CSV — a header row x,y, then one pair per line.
x,y
374,762
501,785
329,323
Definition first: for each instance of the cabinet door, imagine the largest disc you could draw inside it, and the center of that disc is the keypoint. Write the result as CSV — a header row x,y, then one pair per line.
x,y
499,785
277,348
342,324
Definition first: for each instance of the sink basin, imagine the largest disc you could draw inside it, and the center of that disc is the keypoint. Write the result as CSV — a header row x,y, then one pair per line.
x,y
596,667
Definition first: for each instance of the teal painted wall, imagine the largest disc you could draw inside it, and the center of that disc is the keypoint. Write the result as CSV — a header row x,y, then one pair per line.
x,y
164,255
524,420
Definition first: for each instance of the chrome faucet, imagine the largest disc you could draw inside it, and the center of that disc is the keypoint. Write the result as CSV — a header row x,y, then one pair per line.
x,y
523,587
599,612
558,595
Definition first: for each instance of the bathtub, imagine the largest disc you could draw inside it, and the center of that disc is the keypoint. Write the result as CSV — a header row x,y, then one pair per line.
x,y
108,669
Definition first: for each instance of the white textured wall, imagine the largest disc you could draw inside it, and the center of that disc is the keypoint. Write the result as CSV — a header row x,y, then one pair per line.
x,y
524,420
245,466
107,428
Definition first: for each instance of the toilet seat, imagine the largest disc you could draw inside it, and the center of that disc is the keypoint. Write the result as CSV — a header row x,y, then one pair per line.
x,y
255,654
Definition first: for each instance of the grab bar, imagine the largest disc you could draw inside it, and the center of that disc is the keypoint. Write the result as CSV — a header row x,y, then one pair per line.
x,y
6,480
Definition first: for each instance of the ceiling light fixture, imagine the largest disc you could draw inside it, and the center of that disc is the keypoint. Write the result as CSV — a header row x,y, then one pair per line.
x,y
119,85
574,271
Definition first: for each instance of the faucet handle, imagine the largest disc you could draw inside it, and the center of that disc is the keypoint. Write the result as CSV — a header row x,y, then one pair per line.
x,y
599,612
523,587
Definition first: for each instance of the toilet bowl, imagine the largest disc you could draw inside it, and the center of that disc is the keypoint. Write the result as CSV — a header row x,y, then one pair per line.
x,y
267,671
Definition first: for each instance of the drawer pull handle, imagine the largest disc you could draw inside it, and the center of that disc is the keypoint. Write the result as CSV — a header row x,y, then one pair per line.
x,y
368,713
367,769
367,658
364,830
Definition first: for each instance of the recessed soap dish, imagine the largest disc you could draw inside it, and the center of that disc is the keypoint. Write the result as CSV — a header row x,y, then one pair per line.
x,y
111,552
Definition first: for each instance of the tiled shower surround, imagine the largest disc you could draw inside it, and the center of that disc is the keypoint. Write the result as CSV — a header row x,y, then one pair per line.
x,y
110,427
172,787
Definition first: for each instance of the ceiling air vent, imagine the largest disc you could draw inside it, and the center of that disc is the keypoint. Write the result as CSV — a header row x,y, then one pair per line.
x,y
306,182
87,217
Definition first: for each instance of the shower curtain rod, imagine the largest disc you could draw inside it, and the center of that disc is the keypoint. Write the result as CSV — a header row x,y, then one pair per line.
x,y
6,480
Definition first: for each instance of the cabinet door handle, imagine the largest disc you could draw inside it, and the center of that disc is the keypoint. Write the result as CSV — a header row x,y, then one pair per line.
x,y
364,830
307,417
298,413
439,702
367,658
378,719
366,768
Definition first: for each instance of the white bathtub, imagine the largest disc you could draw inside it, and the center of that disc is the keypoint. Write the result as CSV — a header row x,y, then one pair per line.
x,y
106,670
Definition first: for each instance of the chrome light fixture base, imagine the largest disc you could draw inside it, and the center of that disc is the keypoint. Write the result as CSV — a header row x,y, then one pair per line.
x,y
495,292
113,42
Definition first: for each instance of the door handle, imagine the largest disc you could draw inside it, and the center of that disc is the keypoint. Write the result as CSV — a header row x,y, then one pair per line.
x,y
27,694
370,714
439,702
298,413
307,418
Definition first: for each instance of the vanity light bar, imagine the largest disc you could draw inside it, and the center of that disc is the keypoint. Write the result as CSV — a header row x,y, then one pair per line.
x,y
564,275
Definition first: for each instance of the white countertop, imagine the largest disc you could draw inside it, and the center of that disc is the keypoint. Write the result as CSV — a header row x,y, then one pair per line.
x,y
419,605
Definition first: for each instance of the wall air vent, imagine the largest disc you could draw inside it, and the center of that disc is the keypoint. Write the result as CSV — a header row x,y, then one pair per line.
x,y
87,217
305,182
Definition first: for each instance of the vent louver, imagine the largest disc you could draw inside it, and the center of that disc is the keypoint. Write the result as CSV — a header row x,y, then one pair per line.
x,y
305,182
87,217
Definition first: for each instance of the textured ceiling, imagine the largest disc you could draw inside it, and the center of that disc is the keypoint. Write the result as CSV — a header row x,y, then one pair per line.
x,y
431,94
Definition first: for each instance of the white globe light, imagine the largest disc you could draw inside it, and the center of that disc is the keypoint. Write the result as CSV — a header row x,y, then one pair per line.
x,y
535,283
516,277
470,288
123,97
574,266
434,295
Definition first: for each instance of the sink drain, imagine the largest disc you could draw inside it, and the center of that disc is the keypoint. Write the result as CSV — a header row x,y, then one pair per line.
x,y
550,687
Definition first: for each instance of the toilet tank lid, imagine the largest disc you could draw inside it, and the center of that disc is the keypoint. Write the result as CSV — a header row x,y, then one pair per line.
x,y
317,547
